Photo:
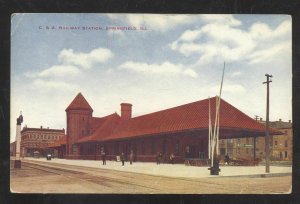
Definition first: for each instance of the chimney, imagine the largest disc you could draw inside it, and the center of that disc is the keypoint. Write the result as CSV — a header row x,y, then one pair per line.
x,y
126,111
279,119
41,127
290,121
260,119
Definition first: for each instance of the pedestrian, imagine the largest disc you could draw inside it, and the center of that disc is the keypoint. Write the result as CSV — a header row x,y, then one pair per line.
x,y
122,158
227,159
103,154
131,157
157,158
172,158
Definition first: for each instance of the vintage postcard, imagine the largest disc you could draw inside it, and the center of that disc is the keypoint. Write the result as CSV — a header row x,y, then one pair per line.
x,y
151,103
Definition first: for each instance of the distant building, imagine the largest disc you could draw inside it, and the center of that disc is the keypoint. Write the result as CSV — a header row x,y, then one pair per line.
x,y
38,139
243,148
281,144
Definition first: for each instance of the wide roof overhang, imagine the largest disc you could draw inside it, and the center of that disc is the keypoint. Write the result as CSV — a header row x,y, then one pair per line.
x,y
225,133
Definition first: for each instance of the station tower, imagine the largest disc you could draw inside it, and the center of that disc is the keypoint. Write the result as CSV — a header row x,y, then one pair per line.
x,y
79,116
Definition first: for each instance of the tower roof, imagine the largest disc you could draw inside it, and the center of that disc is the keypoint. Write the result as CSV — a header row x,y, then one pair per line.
x,y
79,102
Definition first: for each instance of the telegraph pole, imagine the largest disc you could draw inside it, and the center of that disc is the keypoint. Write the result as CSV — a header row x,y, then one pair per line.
x,y
267,138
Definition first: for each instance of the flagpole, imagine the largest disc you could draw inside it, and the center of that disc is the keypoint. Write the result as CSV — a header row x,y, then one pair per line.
x,y
219,103
214,168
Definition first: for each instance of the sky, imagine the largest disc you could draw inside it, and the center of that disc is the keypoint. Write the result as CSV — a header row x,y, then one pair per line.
x,y
153,61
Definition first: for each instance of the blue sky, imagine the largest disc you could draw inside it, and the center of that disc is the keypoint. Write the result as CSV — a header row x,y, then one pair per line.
x,y
177,59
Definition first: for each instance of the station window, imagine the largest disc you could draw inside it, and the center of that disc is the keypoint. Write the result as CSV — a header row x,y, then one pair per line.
x,y
275,143
285,154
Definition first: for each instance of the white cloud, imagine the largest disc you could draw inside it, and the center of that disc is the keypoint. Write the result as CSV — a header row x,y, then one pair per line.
x,y
190,72
49,85
269,53
71,62
222,41
85,60
56,71
221,19
71,65
236,74
227,42
165,68
261,31
229,88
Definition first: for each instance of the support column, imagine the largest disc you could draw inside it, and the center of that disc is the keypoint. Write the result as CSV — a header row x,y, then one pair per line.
x,y
17,163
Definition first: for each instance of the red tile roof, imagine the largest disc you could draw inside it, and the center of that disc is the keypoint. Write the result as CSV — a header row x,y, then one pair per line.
x,y
79,102
109,123
192,116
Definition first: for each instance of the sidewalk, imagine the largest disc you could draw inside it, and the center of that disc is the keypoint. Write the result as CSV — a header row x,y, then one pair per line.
x,y
176,170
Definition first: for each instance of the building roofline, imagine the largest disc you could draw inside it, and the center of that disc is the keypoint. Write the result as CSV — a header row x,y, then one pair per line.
x,y
43,129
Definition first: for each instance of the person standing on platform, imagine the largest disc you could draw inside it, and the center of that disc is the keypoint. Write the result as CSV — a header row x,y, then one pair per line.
x,y
172,158
157,158
227,159
131,156
103,154
122,158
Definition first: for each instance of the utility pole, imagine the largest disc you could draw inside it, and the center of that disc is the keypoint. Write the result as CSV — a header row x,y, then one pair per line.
x,y
267,138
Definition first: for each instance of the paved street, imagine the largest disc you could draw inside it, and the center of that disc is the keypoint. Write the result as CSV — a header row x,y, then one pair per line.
x,y
46,177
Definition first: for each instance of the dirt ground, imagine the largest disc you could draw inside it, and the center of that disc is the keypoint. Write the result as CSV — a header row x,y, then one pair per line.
x,y
50,178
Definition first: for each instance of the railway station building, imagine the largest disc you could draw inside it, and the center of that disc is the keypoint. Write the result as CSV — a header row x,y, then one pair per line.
x,y
181,130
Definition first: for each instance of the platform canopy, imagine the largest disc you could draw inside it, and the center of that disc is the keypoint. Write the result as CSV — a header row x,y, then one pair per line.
x,y
185,118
